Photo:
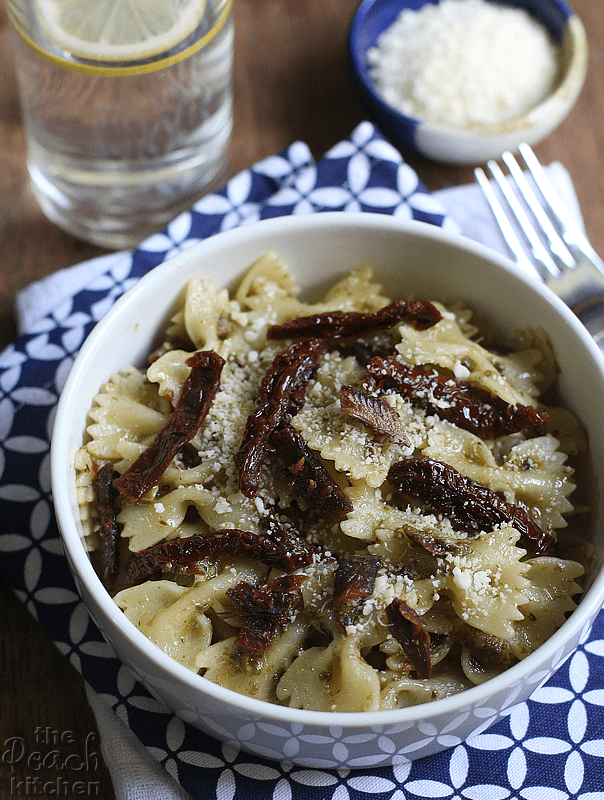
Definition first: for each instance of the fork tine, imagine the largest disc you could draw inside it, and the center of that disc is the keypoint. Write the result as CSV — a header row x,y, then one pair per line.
x,y
581,286
571,232
538,251
508,232
556,244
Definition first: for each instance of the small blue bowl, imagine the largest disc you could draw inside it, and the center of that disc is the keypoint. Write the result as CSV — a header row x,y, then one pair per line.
x,y
480,143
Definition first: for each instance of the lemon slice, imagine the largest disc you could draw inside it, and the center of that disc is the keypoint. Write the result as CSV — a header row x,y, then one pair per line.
x,y
118,30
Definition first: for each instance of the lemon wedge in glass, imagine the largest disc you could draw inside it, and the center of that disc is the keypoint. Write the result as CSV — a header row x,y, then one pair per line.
x,y
118,30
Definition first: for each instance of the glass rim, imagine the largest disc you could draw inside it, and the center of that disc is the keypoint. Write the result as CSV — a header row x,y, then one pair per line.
x,y
140,67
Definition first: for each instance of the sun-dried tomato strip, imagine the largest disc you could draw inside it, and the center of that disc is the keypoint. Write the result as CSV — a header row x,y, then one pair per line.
x,y
431,544
286,552
107,511
354,580
310,481
295,551
281,396
197,394
345,324
468,406
470,505
264,609
378,415
408,629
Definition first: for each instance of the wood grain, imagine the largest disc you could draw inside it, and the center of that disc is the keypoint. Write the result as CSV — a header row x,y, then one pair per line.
x,y
291,83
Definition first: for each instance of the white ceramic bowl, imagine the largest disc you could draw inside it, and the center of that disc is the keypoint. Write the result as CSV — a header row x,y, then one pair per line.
x,y
411,259
459,146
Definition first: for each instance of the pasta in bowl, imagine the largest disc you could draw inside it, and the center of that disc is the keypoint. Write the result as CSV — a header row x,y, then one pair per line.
x,y
344,504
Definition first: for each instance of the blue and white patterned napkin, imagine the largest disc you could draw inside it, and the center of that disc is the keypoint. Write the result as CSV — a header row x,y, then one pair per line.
x,y
550,748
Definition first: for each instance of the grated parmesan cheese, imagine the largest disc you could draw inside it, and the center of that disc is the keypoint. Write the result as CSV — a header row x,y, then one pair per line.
x,y
464,63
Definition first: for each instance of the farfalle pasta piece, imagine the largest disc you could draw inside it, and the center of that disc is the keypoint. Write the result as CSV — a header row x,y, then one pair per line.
x,y
174,617
376,518
403,692
532,473
165,517
445,345
151,522
545,483
483,656
269,290
348,443
357,291
371,513
535,340
86,467
410,575
205,312
486,581
156,608
169,371
461,449
219,439
209,461
219,663
568,430
332,678
126,406
550,598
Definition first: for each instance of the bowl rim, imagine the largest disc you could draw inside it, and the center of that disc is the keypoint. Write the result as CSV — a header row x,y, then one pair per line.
x,y
564,93
576,626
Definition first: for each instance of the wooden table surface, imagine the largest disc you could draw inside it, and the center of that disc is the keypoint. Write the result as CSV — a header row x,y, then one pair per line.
x,y
291,82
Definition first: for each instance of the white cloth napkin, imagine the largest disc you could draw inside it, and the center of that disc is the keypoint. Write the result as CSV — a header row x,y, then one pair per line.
x,y
135,773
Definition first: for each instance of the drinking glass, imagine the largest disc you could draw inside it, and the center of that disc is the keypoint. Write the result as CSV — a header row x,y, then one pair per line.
x,y
127,108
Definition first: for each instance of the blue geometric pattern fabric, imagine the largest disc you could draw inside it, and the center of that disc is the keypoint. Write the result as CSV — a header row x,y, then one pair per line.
x,y
549,748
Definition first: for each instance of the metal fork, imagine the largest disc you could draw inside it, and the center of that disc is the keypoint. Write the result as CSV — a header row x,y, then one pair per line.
x,y
544,238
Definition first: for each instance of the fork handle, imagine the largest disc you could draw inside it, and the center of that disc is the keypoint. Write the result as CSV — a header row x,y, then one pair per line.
x,y
585,296
591,315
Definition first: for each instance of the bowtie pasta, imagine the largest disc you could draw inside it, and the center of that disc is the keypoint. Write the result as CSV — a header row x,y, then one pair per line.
x,y
362,510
